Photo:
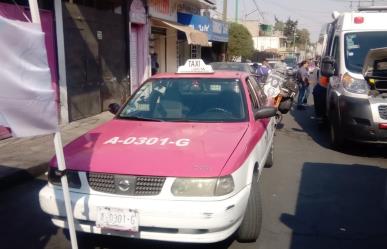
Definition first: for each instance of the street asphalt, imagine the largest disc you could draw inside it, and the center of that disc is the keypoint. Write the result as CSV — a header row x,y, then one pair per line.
x,y
313,198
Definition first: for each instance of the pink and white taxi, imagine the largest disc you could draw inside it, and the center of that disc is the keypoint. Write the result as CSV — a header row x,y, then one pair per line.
x,y
179,162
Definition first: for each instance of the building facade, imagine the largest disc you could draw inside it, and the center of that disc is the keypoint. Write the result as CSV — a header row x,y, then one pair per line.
x,y
100,51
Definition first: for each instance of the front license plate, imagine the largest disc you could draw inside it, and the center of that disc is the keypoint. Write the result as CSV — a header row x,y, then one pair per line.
x,y
117,219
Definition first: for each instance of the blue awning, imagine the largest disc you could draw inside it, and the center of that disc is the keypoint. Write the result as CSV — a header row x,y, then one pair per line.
x,y
217,30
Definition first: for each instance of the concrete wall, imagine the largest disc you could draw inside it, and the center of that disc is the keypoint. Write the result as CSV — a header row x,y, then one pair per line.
x,y
262,43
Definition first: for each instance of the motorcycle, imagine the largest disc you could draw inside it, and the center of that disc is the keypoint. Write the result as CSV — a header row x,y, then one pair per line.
x,y
282,87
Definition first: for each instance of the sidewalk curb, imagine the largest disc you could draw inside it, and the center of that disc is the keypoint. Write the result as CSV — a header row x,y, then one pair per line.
x,y
17,176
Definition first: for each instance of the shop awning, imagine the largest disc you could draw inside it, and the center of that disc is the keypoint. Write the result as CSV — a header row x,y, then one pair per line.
x,y
194,37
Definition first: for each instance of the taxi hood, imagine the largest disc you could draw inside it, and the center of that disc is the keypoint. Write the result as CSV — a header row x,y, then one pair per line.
x,y
155,148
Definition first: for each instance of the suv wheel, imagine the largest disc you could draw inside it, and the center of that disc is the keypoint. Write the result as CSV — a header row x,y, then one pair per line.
x,y
337,139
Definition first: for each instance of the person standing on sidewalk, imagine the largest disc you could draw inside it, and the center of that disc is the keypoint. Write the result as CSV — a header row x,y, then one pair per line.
x,y
154,63
303,83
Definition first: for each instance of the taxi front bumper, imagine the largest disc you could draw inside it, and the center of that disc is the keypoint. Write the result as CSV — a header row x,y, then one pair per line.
x,y
166,220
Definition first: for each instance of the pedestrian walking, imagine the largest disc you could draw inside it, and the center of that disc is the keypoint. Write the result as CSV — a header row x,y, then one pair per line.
x,y
303,83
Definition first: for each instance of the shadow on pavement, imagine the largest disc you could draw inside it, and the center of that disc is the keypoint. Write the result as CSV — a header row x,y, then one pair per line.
x,y
304,118
11,176
23,224
90,241
321,135
339,207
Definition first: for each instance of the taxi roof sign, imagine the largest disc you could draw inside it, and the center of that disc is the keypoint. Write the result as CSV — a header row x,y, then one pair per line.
x,y
195,66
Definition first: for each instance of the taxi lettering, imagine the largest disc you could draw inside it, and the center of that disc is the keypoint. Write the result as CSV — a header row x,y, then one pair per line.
x,y
149,141
194,63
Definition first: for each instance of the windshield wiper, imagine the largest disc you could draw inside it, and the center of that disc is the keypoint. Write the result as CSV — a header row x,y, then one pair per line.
x,y
184,120
140,118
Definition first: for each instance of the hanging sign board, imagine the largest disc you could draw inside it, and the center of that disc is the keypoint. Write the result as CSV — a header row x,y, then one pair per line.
x,y
163,9
137,12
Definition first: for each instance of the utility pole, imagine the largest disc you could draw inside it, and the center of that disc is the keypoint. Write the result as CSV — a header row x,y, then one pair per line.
x,y
225,10
236,10
224,46
294,40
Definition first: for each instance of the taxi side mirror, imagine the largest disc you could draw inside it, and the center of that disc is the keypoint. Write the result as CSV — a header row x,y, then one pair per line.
x,y
114,108
328,66
265,112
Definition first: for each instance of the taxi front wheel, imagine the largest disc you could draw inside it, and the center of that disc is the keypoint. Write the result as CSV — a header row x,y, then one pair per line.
x,y
250,227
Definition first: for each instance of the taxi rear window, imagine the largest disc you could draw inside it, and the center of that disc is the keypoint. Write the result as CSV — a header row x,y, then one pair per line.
x,y
187,100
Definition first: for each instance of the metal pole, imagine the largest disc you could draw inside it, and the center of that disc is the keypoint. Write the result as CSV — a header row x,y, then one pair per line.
x,y
64,110
34,9
236,10
294,41
225,10
65,186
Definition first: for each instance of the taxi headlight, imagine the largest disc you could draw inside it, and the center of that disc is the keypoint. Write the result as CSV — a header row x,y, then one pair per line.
x,y
355,85
72,178
203,187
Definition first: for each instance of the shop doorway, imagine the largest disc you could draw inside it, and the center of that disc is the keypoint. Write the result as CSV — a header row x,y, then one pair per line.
x,y
95,59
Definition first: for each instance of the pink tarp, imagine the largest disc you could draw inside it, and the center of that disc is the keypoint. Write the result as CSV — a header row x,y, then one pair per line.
x,y
14,12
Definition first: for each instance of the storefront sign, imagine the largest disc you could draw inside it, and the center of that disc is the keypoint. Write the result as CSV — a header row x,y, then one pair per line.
x,y
217,30
137,12
163,9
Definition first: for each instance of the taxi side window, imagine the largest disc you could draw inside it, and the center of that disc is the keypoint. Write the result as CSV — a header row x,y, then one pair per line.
x,y
253,96
262,98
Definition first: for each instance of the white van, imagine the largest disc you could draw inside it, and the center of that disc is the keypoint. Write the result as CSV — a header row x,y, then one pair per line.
x,y
354,111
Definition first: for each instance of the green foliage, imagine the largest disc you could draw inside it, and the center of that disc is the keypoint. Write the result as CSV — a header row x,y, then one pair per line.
x,y
240,42
279,25
301,37
290,28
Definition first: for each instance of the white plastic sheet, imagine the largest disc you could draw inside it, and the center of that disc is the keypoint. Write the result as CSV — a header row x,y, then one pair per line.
x,y
27,100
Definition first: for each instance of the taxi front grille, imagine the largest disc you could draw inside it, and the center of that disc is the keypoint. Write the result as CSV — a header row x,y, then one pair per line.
x,y
383,111
125,185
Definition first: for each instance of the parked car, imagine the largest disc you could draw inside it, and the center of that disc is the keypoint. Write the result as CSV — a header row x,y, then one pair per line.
x,y
180,161
354,112
233,66
291,66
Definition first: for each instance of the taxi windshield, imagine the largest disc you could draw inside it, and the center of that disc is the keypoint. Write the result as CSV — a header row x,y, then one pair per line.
x,y
187,100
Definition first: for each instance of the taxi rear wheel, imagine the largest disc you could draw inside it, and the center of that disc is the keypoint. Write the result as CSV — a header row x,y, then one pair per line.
x,y
250,227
